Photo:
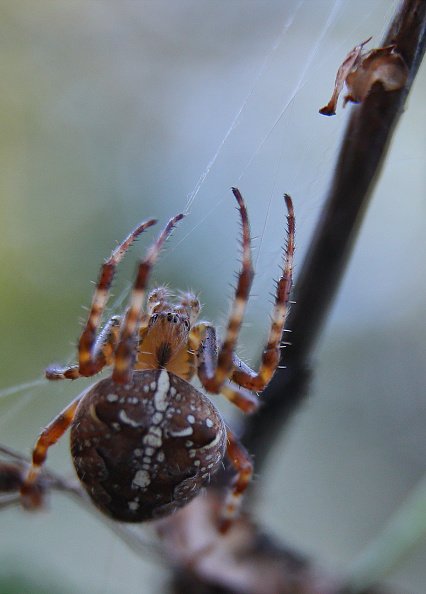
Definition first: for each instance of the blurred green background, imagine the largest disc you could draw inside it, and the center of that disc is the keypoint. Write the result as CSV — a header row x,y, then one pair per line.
x,y
110,112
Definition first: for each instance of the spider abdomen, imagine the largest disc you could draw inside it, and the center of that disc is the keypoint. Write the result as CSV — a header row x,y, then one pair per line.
x,y
146,448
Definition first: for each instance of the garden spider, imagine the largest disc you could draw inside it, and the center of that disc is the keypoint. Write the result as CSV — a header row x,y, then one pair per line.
x,y
144,441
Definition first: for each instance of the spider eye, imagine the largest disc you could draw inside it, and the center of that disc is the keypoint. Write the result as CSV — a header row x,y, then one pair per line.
x,y
172,317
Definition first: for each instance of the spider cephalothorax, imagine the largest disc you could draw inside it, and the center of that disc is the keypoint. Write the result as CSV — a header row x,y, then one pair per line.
x,y
144,441
166,341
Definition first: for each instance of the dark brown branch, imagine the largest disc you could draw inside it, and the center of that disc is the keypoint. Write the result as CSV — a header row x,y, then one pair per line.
x,y
362,153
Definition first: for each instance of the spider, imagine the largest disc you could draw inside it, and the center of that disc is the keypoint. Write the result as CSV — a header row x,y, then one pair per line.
x,y
144,441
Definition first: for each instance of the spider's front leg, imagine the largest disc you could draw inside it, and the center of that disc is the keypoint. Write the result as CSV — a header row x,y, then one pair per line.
x,y
220,370
95,351
216,366
215,371
258,380
126,351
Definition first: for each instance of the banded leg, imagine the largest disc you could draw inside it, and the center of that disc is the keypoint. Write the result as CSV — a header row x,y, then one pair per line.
x,y
90,358
243,465
127,346
203,342
48,437
92,350
214,376
103,351
242,374
245,400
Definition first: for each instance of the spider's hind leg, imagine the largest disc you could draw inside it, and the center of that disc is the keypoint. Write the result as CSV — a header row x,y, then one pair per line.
x,y
51,434
243,466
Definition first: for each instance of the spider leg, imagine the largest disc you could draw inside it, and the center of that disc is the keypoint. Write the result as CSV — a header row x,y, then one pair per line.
x,y
94,351
245,400
203,341
48,437
214,372
90,362
60,373
127,345
242,374
243,465
103,351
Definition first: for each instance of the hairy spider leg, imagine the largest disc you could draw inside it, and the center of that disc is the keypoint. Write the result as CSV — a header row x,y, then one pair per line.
x,y
245,400
126,351
90,360
243,465
203,340
103,350
49,436
212,371
242,374
93,352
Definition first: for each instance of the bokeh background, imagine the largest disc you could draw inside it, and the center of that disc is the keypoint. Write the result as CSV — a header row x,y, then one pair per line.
x,y
111,112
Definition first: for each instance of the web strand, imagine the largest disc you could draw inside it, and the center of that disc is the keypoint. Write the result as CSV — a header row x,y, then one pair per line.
x,y
289,22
